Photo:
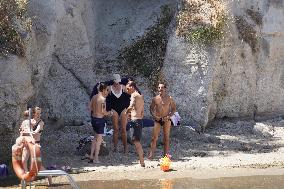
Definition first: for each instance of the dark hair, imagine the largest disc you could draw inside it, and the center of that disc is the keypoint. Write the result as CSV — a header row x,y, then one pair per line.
x,y
102,87
163,83
132,84
130,79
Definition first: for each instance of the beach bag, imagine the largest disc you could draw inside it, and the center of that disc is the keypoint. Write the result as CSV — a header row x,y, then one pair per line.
x,y
85,145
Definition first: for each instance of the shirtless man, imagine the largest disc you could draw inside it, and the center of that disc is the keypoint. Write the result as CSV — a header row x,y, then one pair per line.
x,y
162,108
98,109
136,114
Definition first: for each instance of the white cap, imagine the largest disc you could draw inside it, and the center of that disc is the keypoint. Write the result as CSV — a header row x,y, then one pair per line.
x,y
116,78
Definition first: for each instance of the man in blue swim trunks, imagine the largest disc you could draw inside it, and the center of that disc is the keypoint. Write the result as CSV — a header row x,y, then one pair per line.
x,y
98,109
136,114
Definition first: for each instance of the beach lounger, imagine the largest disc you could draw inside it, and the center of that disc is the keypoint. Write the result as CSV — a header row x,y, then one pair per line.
x,y
47,173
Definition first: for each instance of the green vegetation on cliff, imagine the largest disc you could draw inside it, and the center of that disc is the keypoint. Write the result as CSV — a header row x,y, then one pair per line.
x,y
146,55
14,26
201,21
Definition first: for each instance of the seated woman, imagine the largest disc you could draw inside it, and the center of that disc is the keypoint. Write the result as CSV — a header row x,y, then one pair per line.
x,y
38,125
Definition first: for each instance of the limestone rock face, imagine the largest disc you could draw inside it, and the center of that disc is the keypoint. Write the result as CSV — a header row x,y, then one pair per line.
x,y
250,70
82,44
16,89
241,77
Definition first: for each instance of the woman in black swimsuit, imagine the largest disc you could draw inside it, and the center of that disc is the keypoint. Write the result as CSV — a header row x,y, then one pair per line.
x,y
117,101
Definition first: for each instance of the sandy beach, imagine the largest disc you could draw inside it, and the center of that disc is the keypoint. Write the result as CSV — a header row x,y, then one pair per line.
x,y
226,148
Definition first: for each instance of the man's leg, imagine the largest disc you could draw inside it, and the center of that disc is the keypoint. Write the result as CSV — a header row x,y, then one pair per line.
x,y
166,133
123,130
93,147
99,139
115,129
139,151
155,135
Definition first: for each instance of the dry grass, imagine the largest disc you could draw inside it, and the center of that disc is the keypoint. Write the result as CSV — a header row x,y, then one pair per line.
x,y
201,20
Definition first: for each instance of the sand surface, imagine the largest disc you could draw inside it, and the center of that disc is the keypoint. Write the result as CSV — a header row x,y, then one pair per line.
x,y
226,145
226,149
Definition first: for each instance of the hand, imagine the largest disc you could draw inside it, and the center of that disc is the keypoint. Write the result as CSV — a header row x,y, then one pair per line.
x,y
128,116
157,118
110,113
33,140
166,118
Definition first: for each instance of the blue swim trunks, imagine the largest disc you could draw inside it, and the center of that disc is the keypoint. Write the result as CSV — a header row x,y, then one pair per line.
x,y
98,125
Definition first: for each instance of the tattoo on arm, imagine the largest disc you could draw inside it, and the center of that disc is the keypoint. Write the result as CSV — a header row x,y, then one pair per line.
x,y
103,107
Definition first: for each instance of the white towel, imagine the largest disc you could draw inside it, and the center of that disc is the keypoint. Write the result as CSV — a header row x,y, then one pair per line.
x,y
175,118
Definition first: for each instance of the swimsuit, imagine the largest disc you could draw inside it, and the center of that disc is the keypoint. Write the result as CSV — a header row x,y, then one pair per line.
x,y
117,102
35,127
98,125
137,127
26,134
160,121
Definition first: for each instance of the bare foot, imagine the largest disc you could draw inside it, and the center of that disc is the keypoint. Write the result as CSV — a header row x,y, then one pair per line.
x,y
142,164
150,156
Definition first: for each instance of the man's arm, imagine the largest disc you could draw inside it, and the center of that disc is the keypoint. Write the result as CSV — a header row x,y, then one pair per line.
x,y
131,105
153,109
143,109
91,104
103,106
173,107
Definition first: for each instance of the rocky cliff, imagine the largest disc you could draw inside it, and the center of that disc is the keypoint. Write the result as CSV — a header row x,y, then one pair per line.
x,y
74,44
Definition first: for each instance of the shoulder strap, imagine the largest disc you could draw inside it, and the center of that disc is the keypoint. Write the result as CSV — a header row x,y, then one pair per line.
x,y
38,122
36,125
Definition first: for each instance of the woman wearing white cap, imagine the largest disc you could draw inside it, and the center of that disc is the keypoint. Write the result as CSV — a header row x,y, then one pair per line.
x,y
117,101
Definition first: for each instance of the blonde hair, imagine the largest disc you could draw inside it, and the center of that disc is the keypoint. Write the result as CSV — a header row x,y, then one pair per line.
x,y
36,109
26,114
